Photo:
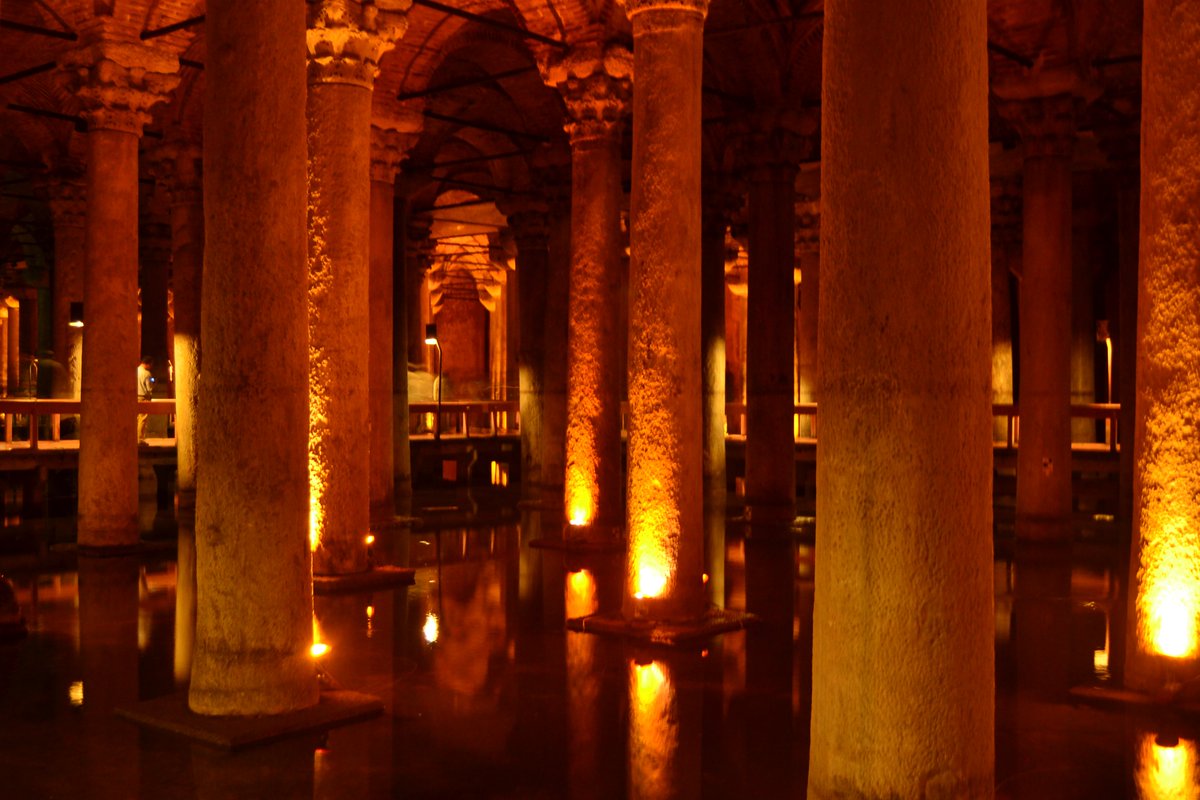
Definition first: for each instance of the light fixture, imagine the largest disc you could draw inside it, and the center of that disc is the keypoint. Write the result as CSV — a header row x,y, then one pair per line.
x,y
75,318
431,338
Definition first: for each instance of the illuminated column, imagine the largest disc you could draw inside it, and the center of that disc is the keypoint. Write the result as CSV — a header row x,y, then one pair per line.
x,y
718,202
1047,132
533,257
68,206
1165,563
187,261
389,464
903,627
595,83
1006,253
154,255
773,154
808,256
117,82
344,47
665,504
253,580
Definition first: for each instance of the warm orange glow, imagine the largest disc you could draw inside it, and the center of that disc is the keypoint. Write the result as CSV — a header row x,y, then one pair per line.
x,y
651,581
370,540
370,612
579,517
653,729
314,518
1166,772
430,629
1170,618
318,649
581,594
75,693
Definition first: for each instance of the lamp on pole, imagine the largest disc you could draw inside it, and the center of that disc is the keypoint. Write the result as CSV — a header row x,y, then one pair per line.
x,y
431,338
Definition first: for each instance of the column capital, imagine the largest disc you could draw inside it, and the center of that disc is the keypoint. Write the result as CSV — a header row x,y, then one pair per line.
x,y
1046,125
391,140
68,201
178,164
596,83
529,223
118,82
774,143
698,8
346,40
808,227
1006,211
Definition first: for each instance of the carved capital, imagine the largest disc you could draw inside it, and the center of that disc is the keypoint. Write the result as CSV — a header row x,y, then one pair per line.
x,y
178,165
1046,125
388,150
692,8
808,228
596,82
346,39
1006,212
118,82
530,226
773,144
68,201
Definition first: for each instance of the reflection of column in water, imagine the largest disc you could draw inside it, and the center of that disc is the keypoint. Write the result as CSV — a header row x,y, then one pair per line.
x,y
664,734
1165,769
583,691
290,763
1041,619
185,599
108,648
714,547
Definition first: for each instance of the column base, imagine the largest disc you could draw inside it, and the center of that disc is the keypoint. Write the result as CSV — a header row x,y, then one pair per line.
x,y
117,550
374,579
170,714
669,633
1170,705
585,543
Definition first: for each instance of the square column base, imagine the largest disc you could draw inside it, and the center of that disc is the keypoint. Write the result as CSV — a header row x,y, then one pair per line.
x,y
670,633
376,578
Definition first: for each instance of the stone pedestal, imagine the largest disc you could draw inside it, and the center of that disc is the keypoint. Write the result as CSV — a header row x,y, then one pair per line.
x,y
903,624
344,48
665,558
253,575
1164,645
117,83
595,82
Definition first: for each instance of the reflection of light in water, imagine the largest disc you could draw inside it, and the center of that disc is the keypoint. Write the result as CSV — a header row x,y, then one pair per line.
x,y
653,729
581,594
370,621
1166,773
75,693
430,628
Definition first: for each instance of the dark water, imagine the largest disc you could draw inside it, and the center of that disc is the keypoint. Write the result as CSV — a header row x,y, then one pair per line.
x,y
488,695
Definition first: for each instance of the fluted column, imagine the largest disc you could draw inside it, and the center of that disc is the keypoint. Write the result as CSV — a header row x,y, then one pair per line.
x,y
1047,133
1164,650
345,44
529,230
388,387
665,558
773,153
594,80
253,576
117,82
68,207
187,260
903,622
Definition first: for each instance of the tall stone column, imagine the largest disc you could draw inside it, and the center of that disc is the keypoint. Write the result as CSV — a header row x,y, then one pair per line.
x,y
68,206
1164,649
665,558
773,152
808,256
253,576
717,201
903,682
117,82
388,396
1006,255
345,44
1047,133
187,261
594,79
555,181
533,257
154,254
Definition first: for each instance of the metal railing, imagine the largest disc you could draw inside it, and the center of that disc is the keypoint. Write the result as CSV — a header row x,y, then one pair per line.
x,y
13,409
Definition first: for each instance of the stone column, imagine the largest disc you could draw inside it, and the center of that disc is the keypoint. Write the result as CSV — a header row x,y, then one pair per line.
x,y
187,260
717,201
556,183
903,682
154,255
774,149
808,255
389,441
1047,133
345,44
14,346
253,577
594,80
117,82
68,204
533,256
665,559
1164,649
1006,254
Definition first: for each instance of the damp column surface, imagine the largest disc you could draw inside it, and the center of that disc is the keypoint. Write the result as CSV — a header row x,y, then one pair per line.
x,y
665,441
903,620
253,574
1164,646
187,260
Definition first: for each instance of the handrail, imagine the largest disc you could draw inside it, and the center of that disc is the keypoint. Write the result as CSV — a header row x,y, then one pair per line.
x,y
55,408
